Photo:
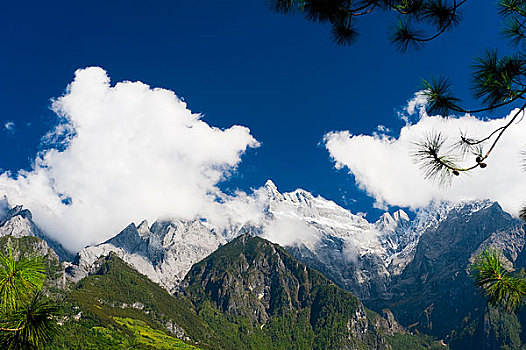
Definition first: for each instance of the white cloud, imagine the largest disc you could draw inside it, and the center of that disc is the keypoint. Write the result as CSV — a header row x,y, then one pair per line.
x,y
288,230
127,152
383,167
10,126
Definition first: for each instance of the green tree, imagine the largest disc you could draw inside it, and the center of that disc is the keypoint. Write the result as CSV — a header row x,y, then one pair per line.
x,y
26,316
497,81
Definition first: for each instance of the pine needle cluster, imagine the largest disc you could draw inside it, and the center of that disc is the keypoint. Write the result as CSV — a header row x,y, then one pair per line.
x,y
498,80
419,21
25,314
500,286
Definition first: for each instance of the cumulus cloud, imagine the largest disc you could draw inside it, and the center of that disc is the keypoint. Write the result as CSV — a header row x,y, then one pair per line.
x,y
123,153
383,167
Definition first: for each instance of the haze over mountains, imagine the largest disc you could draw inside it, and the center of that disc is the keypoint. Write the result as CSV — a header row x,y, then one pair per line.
x,y
418,268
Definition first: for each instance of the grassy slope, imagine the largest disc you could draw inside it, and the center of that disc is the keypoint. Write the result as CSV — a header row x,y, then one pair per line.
x,y
110,320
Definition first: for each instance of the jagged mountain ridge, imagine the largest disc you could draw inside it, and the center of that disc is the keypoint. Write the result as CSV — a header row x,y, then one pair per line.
x,y
373,260
166,250
435,291
357,255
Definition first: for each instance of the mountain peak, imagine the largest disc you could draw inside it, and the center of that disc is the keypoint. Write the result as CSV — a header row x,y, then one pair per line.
x,y
18,226
400,215
18,223
444,206
18,210
437,211
128,239
272,190
270,184
254,280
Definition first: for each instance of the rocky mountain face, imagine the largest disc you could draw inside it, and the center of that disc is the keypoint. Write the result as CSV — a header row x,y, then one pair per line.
x,y
116,307
164,252
388,262
345,247
418,268
281,302
434,291
249,294
18,223
19,235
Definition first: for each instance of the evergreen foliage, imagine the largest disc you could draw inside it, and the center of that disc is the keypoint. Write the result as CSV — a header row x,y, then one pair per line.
x,y
31,323
419,21
18,278
26,316
500,286
498,80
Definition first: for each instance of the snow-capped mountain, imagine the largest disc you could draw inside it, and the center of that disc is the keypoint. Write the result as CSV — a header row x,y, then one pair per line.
x,y
339,240
345,247
164,251
358,255
18,223
361,256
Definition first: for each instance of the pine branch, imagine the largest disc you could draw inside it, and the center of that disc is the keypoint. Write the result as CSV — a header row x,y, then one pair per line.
x,y
435,166
437,15
11,329
498,285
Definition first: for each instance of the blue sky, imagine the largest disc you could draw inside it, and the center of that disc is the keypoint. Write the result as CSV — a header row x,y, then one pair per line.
x,y
236,62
